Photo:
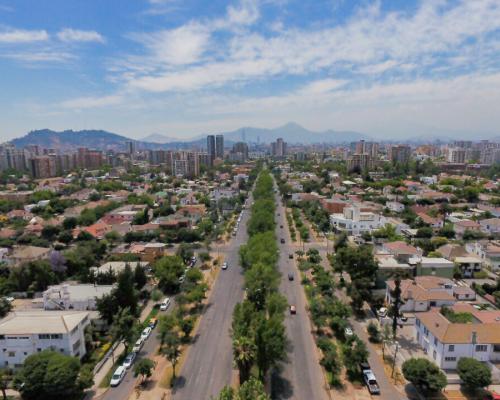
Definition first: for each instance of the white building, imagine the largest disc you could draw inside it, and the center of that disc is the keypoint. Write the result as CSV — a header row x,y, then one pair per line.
x,y
118,266
488,252
355,222
74,297
395,206
28,332
445,342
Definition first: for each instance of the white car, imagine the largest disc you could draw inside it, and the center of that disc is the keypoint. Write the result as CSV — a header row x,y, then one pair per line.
x,y
348,332
117,376
129,360
138,345
224,266
165,304
382,312
146,332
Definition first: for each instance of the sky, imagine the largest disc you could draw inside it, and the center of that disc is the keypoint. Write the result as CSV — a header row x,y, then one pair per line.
x,y
387,68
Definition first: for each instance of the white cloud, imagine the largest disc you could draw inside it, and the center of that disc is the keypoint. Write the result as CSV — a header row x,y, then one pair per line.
x,y
75,35
40,56
23,36
181,46
92,102
371,42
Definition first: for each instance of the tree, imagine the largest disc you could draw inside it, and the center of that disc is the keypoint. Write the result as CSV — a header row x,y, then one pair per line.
x,y
473,373
396,304
166,324
252,389
270,341
354,352
168,270
172,351
144,368
5,379
373,332
49,375
123,327
5,307
244,351
186,325
140,278
424,374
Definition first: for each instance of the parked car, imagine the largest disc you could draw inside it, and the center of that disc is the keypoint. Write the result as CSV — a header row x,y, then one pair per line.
x,y
348,331
129,360
290,276
165,304
290,256
282,241
371,382
382,312
293,310
117,376
138,345
224,265
281,226
146,332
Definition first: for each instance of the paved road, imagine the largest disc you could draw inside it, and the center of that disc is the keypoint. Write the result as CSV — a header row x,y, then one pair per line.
x,y
126,387
209,364
301,377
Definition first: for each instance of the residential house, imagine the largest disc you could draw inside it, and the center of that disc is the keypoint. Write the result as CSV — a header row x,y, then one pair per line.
x,y
118,266
25,254
438,266
401,250
423,292
468,265
490,226
79,297
446,342
489,252
23,333
465,225
355,222
435,223
395,206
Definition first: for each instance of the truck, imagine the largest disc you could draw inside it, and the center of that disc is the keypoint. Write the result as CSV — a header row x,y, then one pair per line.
x,y
371,381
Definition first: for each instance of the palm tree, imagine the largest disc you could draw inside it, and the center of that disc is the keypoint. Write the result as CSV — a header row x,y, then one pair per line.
x,y
244,351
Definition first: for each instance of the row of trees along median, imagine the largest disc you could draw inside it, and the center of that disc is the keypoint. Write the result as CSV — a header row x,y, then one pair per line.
x,y
258,331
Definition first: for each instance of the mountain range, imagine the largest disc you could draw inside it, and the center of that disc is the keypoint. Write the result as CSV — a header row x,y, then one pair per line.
x,y
100,139
290,132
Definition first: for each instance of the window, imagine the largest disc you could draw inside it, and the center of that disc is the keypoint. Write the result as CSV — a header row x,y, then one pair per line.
x,y
435,342
418,336
56,336
417,322
481,347
43,336
2,337
434,354
450,359
496,348
12,353
451,348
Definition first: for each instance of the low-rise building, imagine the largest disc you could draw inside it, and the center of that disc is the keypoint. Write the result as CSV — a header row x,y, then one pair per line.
x,y
465,225
423,292
435,267
468,265
24,333
80,297
445,342
490,226
24,254
355,222
488,252
118,266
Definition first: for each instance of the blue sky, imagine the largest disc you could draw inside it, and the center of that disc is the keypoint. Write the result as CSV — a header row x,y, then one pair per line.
x,y
397,68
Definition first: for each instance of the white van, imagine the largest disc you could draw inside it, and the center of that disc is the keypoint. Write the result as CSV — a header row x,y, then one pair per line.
x,y
165,304
118,376
138,345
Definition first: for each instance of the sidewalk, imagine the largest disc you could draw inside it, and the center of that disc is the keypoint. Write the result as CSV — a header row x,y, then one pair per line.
x,y
96,391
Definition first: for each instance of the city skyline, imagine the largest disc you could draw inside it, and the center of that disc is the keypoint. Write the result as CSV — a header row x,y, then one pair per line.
x,y
393,69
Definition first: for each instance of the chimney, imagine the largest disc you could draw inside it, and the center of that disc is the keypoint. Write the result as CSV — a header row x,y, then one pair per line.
x,y
409,294
474,337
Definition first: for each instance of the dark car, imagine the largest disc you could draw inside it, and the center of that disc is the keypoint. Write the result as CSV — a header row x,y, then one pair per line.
x,y
281,226
290,277
282,241
290,256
